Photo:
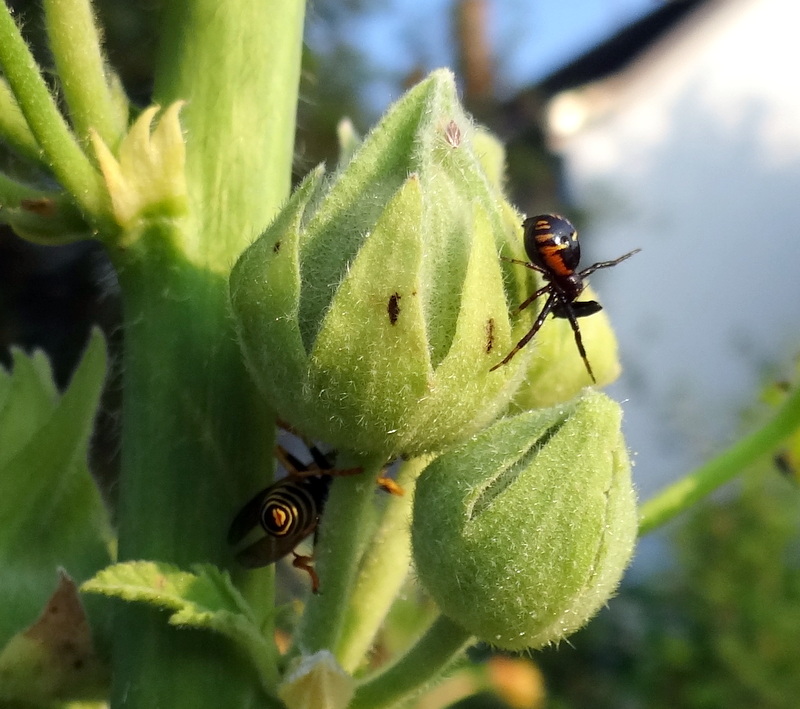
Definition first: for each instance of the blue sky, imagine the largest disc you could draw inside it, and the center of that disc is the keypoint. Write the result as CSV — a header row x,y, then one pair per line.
x,y
530,38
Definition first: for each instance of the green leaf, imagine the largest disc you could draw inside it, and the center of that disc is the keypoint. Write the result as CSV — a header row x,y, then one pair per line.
x,y
54,659
205,598
52,512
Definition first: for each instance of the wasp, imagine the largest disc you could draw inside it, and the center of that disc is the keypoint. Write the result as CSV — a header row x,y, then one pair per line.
x,y
551,243
289,511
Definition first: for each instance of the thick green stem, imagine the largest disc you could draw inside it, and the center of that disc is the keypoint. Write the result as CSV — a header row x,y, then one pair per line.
x,y
342,538
75,44
431,656
707,478
196,443
237,64
382,572
64,156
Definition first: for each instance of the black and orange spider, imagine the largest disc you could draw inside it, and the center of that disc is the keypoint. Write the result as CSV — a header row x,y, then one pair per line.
x,y
551,243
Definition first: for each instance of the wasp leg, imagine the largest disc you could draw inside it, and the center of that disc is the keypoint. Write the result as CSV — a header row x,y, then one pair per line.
x,y
390,486
293,466
305,563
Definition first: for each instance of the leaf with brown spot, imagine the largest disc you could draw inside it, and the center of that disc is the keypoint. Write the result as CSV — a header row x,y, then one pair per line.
x,y
54,659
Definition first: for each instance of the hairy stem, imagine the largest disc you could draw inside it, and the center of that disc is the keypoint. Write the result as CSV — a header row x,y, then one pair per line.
x,y
64,156
237,64
75,44
382,572
708,477
431,656
197,439
14,128
348,517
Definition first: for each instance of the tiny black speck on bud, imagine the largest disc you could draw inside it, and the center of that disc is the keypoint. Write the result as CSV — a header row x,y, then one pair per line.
x,y
393,308
276,247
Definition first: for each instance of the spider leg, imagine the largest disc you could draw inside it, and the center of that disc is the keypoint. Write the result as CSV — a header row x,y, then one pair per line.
x,y
532,297
527,264
573,321
606,264
534,329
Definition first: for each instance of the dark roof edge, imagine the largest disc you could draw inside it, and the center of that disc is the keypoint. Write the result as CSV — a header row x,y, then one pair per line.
x,y
620,49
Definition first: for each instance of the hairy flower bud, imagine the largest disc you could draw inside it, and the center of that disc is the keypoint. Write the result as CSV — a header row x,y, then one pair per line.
x,y
522,533
146,177
371,311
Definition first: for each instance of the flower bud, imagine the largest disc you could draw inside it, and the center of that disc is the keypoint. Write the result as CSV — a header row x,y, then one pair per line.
x,y
371,311
522,533
317,682
146,177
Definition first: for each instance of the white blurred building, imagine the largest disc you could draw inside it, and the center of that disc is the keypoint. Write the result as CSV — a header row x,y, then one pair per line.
x,y
681,135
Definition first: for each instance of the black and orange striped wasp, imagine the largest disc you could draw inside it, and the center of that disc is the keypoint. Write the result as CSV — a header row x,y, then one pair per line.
x,y
288,511
551,243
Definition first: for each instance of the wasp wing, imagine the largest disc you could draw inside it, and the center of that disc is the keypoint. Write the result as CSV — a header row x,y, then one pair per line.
x,y
248,517
268,550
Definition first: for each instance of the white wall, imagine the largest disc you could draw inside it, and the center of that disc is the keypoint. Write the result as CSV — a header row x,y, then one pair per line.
x,y
695,157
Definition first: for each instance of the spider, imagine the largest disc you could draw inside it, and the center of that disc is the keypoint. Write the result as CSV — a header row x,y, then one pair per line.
x,y
551,243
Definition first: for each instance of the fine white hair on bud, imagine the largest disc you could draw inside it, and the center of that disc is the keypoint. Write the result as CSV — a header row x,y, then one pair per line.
x,y
522,533
371,310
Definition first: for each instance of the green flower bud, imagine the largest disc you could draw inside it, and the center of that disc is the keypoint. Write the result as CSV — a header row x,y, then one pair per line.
x,y
522,533
492,154
371,311
317,682
146,177
556,372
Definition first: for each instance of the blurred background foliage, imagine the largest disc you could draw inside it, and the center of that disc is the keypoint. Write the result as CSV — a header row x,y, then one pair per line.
x,y
717,626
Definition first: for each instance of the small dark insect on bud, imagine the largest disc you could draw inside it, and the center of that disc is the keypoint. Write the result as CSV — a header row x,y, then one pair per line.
x,y
393,308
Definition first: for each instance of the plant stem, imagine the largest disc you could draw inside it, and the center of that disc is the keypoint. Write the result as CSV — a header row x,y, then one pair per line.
x,y
75,44
196,442
197,439
237,64
383,570
431,656
64,156
13,192
337,553
716,472
14,128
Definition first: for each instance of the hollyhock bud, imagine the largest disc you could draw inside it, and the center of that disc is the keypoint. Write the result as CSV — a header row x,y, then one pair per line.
x,y
372,309
522,533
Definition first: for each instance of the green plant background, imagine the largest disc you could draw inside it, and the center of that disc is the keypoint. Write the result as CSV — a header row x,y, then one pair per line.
x,y
712,634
